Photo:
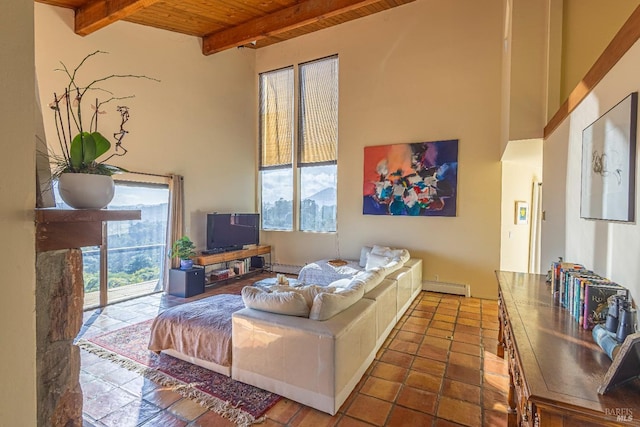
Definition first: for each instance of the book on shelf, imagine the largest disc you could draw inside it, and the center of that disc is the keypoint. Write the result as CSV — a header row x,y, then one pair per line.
x,y
583,293
566,283
238,267
558,270
574,290
220,274
596,304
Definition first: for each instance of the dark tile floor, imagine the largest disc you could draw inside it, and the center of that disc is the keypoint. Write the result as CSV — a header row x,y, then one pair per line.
x,y
437,368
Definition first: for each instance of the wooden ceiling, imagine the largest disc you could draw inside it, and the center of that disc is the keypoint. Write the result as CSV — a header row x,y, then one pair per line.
x,y
224,24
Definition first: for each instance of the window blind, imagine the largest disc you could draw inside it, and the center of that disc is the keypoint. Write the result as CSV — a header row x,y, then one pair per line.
x,y
276,118
318,135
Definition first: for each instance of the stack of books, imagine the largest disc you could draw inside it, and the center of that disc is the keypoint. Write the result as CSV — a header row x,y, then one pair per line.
x,y
583,293
558,270
221,274
239,267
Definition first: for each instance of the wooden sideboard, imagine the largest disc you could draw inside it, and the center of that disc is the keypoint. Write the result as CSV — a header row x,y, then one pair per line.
x,y
207,260
555,367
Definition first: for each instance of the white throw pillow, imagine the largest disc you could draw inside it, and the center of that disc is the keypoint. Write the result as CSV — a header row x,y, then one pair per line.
x,y
386,251
274,288
364,253
374,261
289,303
327,305
309,292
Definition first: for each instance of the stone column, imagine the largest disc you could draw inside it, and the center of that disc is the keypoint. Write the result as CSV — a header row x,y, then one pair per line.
x,y
59,303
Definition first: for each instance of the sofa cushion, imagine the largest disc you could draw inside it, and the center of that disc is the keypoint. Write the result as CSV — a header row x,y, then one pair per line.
x,y
386,251
400,255
393,266
370,278
375,260
341,283
289,303
308,292
328,304
364,254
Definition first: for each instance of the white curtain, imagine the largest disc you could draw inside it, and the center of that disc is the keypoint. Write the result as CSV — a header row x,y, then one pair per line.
x,y
175,223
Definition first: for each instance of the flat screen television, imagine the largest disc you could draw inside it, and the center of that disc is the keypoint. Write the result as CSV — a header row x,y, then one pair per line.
x,y
232,231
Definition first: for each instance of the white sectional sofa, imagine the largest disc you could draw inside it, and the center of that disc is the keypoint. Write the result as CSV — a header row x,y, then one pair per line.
x,y
319,362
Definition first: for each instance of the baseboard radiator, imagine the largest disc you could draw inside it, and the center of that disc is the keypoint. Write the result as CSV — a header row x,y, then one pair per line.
x,y
285,268
446,288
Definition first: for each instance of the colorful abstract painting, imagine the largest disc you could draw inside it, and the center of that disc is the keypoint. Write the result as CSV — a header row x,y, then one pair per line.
x,y
417,179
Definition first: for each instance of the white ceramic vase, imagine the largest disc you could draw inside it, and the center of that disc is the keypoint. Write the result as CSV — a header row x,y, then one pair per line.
x,y
86,191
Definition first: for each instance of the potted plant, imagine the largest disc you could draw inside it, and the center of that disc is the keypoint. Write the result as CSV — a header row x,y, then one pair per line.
x,y
184,249
84,181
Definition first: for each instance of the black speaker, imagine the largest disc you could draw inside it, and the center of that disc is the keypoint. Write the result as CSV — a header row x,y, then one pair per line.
x,y
257,262
186,283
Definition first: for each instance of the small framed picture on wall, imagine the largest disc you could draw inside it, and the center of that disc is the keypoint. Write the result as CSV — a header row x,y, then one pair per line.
x,y
522,213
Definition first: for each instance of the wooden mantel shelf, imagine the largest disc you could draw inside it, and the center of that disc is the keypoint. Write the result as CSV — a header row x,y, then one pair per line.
x,y
70,228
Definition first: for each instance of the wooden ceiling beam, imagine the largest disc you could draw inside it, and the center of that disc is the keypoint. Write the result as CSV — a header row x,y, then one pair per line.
x,y
288,19
95,15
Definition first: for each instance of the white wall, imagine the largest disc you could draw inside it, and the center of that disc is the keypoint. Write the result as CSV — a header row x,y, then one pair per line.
x,y
425,71
554,206
505,90
198,122
17,201
611,249
528,69
588,27
521,167
553,99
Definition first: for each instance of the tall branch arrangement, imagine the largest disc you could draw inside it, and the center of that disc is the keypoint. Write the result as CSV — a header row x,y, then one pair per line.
x,y
82,145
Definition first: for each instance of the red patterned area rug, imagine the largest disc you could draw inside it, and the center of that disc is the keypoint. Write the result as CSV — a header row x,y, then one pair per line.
x,y
241,403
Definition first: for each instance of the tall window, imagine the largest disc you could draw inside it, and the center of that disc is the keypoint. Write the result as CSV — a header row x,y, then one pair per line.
x,y
130,264
136,249
276,148
315,152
